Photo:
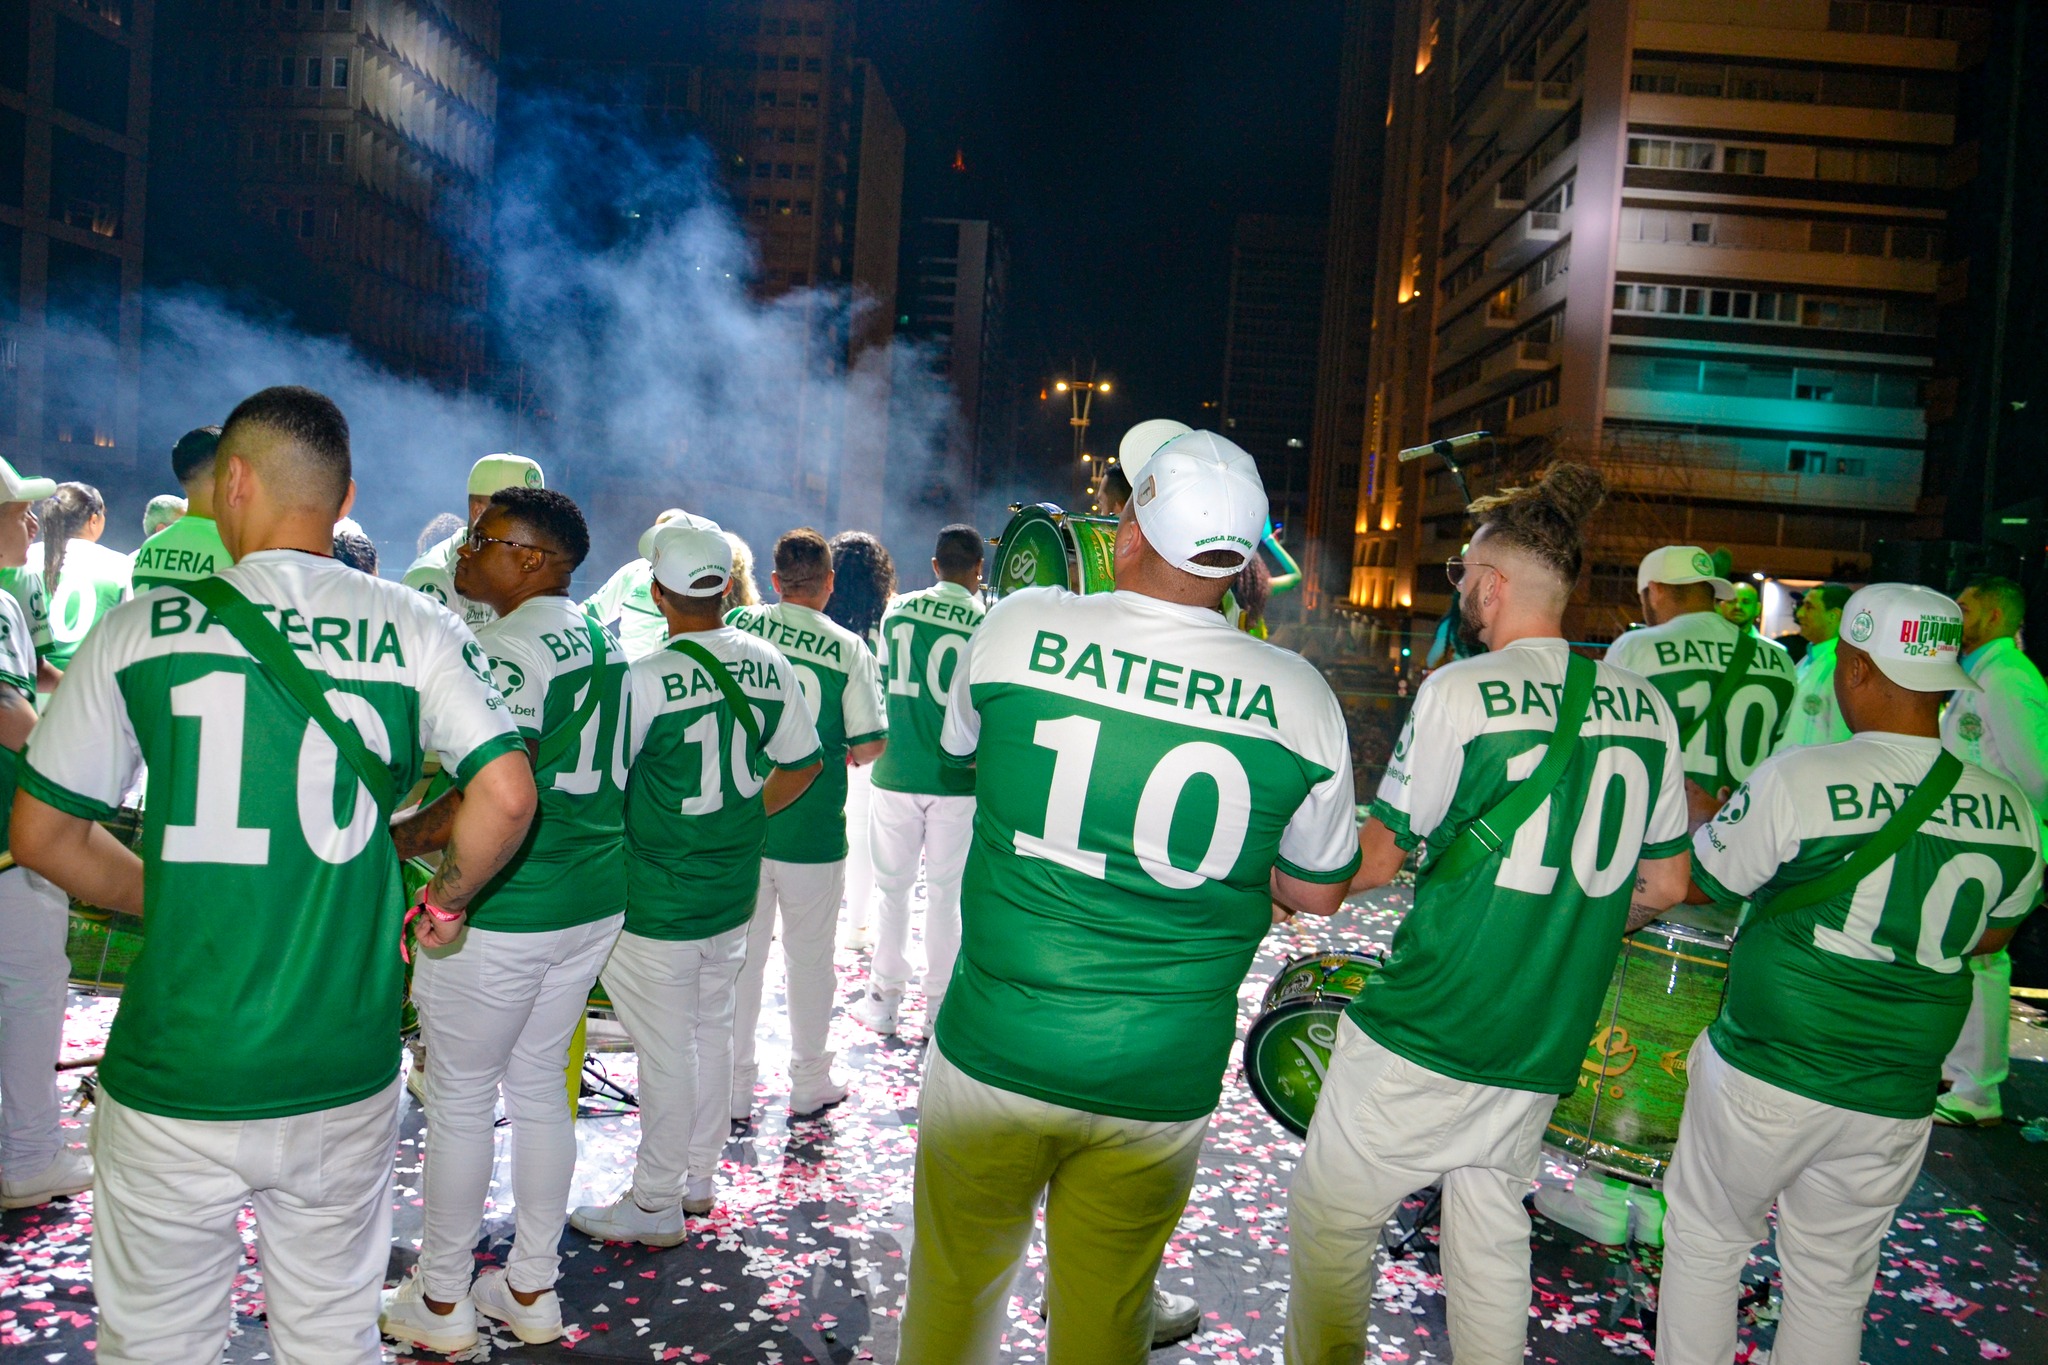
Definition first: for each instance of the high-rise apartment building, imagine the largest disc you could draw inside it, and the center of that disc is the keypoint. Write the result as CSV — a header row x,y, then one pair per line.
x,y
74,144
954,290
353,140
1696,242
1269,354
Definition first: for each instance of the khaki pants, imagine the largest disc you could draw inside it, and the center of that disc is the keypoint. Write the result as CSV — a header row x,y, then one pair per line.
x,y
1384,1128
1114,1190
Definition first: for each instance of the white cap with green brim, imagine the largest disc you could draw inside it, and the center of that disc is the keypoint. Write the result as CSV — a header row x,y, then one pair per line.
x,y
687,549
494,473
1913,634
1201,493
1143,441
14,487
1680,564
647,536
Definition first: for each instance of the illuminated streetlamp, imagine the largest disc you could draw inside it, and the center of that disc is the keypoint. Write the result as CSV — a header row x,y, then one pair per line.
x,y
1081,395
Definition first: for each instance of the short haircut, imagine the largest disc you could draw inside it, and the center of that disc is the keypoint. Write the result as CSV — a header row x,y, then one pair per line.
x,y
1835,596
313,470
192,456
163,509
553,514
2011,600
802,559
1546,519
1116,484
960,548
357,551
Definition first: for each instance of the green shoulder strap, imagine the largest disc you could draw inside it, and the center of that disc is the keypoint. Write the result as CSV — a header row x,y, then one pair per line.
x,y
742,709
1493,829
1717,702
246,622
556,744
1869,855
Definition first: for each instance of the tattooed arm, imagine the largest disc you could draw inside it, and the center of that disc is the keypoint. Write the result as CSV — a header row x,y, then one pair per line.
x,y
1660,884
427,829
486,829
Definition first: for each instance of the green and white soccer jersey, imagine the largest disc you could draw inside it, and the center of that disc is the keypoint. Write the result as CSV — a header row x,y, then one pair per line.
x,y
572,868
433,573
1145,768
1814,717
695,823
91,582
625,602
923,637
1496,975
842,687
270,981
18,671
188,549
1686,657
1855,1002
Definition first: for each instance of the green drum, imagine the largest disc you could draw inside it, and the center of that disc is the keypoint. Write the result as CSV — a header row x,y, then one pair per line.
x,y
1288,1046
1045,547
1623,1115
103,944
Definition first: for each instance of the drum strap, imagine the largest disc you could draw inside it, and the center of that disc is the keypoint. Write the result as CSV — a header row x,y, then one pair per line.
x,y
1717,702
1486,834
245,621
555,745
742,709
1869,855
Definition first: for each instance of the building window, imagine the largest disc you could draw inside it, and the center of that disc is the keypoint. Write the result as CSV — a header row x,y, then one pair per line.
x,y
341,73
808,99
783,171
282,218
337,147
344,6
1703,233
287,71
1664,153
1743,160
782,208
760,208
803,208
813,65
314,72
789,63
1806,460
1853,467
762,170
803,170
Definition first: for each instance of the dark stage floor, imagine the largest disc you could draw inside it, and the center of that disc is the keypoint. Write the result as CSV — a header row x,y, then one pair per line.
x,y
803,1261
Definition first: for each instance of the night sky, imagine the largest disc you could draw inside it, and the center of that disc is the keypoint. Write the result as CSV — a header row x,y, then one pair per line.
x,y
1114,143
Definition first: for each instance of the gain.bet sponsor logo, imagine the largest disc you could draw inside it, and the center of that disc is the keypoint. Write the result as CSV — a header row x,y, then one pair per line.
x,y
1925,636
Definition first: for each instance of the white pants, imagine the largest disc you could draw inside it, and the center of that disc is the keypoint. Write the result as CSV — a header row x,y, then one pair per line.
x,y
808,897
860,862
499,1009
1976,1065
165,1248
34,980
676,1000
1385,1128
1836,1177
901,825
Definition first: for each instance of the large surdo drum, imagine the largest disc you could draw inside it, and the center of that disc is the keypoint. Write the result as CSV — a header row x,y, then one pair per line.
x,y
1045,547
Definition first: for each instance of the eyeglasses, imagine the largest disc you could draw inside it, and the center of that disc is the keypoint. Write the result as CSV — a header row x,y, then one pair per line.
x,y
476,543
1456,568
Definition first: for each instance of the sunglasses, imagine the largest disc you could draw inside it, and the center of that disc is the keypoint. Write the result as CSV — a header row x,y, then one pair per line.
x,y
1456,568
476,544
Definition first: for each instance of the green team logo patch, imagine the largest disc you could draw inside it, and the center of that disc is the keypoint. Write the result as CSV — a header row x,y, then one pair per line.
x,y
433,590
1862,627
1812,704
1971,727
532,477
1703,563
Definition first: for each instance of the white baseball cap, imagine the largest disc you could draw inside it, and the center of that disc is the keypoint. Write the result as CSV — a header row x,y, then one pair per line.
x,y
495,472
1143,441
686,548
1914,635
647,536
1682,564
16,488
1200,493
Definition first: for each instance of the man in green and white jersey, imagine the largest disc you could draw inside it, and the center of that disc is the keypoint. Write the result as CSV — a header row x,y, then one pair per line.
x,y
256,1050
625,602
433,573
189,547
1815,717
803,867
701,786
79,579
1686,650
922,805
1150,783
1447,1066
499,1006
35,1165
1813,1089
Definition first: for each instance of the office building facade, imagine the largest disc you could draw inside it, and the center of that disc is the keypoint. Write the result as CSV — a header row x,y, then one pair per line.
x,y
1271,333
954,294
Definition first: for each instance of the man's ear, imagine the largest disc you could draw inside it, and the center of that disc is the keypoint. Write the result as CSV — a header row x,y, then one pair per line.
x,y
348,500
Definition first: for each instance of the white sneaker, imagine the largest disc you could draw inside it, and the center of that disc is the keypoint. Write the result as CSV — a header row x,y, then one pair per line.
x,y
857,938
623,1220
406,1317
69,1172
878,1009
743,1093
808,1100
535,1324
1174,1317
699,1195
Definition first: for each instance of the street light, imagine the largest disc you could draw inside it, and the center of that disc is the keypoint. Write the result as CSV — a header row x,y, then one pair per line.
x,y
1081,395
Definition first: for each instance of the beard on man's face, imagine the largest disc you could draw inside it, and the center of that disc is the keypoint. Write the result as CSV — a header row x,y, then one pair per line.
x,y
1469,626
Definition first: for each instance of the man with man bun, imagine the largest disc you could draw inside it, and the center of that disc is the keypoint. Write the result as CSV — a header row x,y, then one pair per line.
x,y
1156,782
1813,1089
255,1056
1449,1062
433,573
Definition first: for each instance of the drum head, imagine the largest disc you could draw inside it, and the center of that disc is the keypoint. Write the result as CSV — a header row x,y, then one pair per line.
x,y
1286,1054
1337,975
1094,552
1034,551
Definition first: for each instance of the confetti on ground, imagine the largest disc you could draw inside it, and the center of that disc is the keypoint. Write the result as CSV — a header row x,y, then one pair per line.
x,y
803,1261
